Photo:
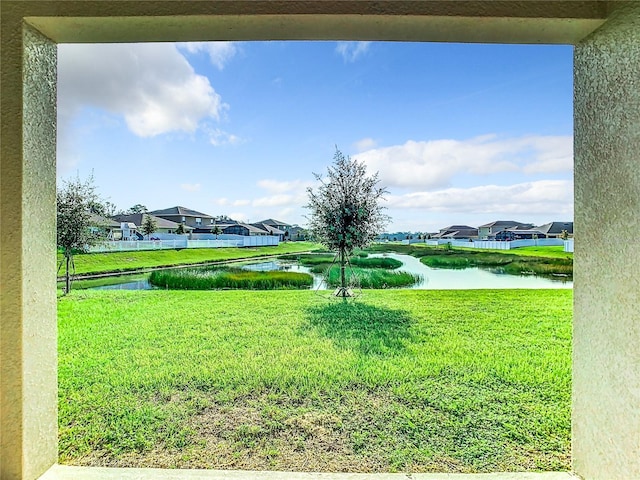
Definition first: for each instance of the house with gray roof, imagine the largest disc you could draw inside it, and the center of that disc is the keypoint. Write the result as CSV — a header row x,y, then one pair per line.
x,y
457,232
135,221
275,223
244,229
489,230
519,233
109,227
198,221
554,229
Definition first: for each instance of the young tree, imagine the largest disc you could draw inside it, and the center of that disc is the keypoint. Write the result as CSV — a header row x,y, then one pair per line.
x,y
75,200
149,225
180,229
137,208
345,210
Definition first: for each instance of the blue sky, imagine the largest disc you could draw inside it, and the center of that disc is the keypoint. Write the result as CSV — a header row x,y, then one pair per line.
x,y
459,133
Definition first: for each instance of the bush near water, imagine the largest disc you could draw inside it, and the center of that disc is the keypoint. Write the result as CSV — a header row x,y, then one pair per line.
x,y
512,263
215,278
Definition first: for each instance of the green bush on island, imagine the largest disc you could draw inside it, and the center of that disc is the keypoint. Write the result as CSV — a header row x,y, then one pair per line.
x,y
360,260
516,262
216,278
372,278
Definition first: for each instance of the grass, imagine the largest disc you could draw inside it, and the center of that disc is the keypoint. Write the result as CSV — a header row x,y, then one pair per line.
x,y
464,381
102,282
129,261
228,278
372,277
554,251
506,261
359,260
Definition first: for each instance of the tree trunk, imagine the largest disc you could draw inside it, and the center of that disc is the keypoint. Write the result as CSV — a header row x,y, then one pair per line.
x,y
67,279
343,278
343,291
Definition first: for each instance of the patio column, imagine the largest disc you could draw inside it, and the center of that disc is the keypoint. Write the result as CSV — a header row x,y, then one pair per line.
x,y
28,357
606,344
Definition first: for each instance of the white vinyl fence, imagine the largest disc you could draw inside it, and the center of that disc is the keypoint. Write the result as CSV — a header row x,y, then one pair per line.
x,y
184,242
495,245
568,245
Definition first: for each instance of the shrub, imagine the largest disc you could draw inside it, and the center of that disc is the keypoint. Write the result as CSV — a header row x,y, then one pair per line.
x,y
228,278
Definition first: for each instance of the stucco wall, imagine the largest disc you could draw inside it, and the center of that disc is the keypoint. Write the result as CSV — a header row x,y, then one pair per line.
x,y
606,355
606,424
28,366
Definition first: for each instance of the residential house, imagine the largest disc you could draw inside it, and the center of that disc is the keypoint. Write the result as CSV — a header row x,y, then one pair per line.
x,y
489,230
519,233
198,221
285,227
297,233
244,229
554,229
457,232
136,220
111,228
271,230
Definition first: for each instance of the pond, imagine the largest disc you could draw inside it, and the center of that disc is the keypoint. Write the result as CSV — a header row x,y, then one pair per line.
x,y
472,278
432,278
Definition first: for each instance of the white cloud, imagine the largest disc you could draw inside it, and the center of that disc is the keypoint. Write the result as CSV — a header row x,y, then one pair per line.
x,y
350,51
282,193
221,201
239,216
219,52
433,164
241,203
277,186
552,197
219,137
151,85
191,187
365,144
274,201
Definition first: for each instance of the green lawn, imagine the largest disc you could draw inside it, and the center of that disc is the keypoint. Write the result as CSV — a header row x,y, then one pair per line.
x,y
459,381
556,251
127,261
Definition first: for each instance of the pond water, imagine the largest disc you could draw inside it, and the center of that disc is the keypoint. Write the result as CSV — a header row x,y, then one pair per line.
x,y
432,278
471,278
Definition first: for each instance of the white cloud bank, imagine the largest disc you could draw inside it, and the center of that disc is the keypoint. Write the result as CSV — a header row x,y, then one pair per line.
x,y
544,197
430,165
283,193
151,85
219,52
351,51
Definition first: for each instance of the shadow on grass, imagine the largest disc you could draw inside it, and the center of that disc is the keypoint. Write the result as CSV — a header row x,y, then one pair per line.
x,y
364,328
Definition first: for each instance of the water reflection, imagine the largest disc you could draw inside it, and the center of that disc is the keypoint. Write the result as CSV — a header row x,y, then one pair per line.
x,y
471,278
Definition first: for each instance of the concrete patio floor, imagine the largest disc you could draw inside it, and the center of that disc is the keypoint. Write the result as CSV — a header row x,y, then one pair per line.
x,y
63,472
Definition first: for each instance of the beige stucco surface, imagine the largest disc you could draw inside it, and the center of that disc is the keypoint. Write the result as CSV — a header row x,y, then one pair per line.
x,y
86,473
606,382
606,346
28,365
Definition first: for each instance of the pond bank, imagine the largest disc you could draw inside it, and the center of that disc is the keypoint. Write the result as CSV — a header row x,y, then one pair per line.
x,y
115,273
430,278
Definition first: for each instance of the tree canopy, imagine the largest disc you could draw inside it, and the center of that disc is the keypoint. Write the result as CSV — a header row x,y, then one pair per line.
x,y
345,209
77,227
149,225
